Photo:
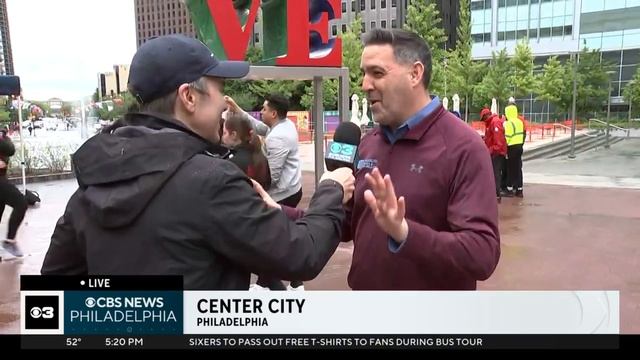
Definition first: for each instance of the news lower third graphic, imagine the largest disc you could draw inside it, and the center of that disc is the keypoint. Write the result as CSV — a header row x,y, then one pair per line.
x,y
156,313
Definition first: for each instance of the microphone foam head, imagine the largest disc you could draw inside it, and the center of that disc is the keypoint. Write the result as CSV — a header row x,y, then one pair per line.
x,y
348,133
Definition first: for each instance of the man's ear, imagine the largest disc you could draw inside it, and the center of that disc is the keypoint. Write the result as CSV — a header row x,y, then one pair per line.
x,y
417,71
186,97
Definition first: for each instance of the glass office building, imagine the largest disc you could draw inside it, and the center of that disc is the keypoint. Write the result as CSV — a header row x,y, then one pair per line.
x,y
559,27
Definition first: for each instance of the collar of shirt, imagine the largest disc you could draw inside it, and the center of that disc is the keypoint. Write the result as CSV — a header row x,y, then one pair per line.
x,y
411,122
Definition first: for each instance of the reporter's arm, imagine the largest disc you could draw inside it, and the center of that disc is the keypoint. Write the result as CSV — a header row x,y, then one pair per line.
x,y
262,239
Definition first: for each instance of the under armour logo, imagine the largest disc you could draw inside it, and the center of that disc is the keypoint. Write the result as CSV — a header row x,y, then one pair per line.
x,y
416,168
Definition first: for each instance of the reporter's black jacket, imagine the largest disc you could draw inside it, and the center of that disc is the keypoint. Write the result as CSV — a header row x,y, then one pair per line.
x,y
152,201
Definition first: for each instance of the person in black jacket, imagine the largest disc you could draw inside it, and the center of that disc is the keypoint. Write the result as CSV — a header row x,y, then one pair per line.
x,y
239,135
10,195
156,195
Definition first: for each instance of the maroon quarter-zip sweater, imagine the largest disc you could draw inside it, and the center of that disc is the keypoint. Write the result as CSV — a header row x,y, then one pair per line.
x,y
443,170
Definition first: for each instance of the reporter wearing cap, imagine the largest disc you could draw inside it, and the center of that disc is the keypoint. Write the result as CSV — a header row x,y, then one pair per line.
x,y
157,197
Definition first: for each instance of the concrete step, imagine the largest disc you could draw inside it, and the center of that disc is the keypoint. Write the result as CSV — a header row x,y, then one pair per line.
x,y
598,143
544,150
582,143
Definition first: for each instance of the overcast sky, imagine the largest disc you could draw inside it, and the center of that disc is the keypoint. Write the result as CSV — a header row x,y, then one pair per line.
x,y
59,46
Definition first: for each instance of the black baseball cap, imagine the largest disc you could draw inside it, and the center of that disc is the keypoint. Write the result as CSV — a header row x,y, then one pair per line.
x,y
164,63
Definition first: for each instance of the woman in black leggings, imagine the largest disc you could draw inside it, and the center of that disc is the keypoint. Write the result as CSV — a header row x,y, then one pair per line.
x,y
10,195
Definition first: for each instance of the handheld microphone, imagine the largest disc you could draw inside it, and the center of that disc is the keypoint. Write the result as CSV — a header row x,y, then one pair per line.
x,y
343,150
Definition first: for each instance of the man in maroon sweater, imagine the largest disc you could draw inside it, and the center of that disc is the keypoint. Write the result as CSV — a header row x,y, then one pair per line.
x,y
431,223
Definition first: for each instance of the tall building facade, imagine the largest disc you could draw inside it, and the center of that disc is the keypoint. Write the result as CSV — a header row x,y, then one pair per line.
x,y
6,62
113,83
161,17
122,77
561,27
107,85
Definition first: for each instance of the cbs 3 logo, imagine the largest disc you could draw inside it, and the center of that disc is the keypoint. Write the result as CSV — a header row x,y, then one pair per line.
x,y
342,149
46,312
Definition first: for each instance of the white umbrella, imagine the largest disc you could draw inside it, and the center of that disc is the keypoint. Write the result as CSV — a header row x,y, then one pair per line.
x,y
364,120
456,103
355,110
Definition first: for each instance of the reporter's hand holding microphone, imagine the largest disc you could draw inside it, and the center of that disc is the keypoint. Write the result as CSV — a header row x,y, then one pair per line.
x,y
343,176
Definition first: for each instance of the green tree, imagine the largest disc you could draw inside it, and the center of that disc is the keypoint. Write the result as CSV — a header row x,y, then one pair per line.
x,y
44,106
95,97
5,116
631,92
424,19
464,74
351,55
593,82
551,84
496,83
522,78
67,108
329,95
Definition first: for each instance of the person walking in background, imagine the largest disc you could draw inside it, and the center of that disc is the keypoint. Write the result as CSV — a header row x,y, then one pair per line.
x,y
496,144
284,162
238,134
10,195
514,132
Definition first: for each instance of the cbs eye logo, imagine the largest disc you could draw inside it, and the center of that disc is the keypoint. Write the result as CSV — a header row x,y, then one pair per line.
x,y
41,312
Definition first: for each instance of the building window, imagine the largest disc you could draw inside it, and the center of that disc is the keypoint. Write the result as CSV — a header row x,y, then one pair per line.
x,y
344,7
362,5
383,24
394,3
344,28
394,23
568,30
362,27
545,32
256,38
373,4
353,5
334,30
373,25
383,4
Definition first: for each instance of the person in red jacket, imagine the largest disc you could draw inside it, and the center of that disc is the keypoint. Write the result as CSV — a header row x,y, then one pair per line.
x,y
496,143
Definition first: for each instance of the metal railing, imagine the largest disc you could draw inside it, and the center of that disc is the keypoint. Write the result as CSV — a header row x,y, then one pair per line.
x,y
610,125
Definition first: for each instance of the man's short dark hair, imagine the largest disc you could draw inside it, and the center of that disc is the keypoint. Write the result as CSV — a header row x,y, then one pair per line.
x,y
407,46
279,103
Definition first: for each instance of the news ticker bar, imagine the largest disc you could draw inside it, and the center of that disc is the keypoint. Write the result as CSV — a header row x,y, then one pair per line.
x,y
391,341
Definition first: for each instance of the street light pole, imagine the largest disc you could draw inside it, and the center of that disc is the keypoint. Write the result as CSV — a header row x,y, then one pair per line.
x,y
606,136
630,101
572,154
